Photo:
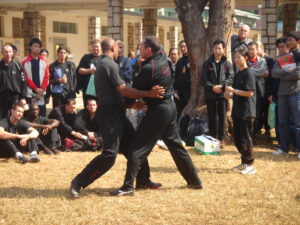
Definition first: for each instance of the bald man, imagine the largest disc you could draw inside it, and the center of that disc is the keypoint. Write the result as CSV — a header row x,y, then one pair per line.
x,y
117,131
241,40
12,81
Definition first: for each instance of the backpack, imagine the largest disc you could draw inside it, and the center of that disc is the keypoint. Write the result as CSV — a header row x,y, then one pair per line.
x,y
196,127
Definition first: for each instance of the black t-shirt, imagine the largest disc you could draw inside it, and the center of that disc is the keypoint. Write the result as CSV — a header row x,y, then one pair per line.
x,y
107,78
39,120
242,106
20,127
85,62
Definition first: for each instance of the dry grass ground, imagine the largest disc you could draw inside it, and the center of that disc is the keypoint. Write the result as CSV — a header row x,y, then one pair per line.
x,y
38,193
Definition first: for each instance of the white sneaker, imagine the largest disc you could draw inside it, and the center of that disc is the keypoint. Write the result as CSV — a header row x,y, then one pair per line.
x,y
280,152
249,169
298,155
238,168
161,144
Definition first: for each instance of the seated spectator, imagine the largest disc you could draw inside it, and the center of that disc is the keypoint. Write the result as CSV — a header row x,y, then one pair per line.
x,y
86,123
16,136
47,129
66,115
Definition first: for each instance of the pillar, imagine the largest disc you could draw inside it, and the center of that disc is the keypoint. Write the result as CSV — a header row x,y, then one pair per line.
x,y
31,28
115,19
161,35
289,18
94,29
269,26
173,36
150,22
131,37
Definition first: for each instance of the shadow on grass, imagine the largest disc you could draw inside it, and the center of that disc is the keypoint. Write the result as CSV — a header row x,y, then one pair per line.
x,y
20,192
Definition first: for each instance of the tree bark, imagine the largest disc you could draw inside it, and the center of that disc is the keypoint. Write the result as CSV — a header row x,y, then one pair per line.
x,y
199,38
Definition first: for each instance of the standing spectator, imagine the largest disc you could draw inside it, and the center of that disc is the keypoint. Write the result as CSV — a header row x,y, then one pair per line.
x,y
17,135
62,78
243,111
217,73
47,128
260,70
12,81
182,83
86,67
241,40
172,60
124,64
66,115
287,69
268,92
37,75
86,123
44,53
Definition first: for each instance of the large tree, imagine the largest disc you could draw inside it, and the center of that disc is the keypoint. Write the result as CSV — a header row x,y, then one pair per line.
x,y
200,36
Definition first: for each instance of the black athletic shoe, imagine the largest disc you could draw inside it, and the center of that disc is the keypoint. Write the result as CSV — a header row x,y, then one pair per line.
x,y
195,186
148,185
34,158
75,189
47,151
121,192
55,151
22,159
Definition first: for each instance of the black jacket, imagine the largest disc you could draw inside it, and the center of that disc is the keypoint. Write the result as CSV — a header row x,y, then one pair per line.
x,y
84,124
69,69
210,78
182,74
12,79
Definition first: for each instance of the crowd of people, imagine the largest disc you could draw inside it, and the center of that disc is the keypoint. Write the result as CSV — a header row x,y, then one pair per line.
x,y
157,87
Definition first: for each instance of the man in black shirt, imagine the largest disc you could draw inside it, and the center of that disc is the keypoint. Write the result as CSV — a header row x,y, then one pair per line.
x,y
217,73
86,123
12,81
117,130
86,67
182,82
47,129
66,115
159,121
17,135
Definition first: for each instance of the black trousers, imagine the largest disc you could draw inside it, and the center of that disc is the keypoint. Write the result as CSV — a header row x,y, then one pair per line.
x,y
216,107
50,140
243,133
264,114
159,122
184,96
259,113
117,132
7,99
9,147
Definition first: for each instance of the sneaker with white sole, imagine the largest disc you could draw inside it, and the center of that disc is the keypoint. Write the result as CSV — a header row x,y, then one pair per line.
x,y
279,152
238,168
248,169
121,192
34,158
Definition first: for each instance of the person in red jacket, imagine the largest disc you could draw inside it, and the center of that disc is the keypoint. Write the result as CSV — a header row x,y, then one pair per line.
x,y
36,71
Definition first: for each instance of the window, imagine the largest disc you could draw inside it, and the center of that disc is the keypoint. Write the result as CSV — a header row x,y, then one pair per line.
x,y
104,30
1,26
62,27
17,30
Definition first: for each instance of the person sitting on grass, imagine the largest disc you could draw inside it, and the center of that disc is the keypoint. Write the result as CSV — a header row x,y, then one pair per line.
x,y
86,123
66,115
47,129
16,136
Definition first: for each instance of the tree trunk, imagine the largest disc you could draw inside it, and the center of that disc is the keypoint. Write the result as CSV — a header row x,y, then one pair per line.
x,y
199,38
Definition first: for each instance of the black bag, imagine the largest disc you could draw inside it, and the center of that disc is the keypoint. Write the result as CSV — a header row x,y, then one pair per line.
x,y
197,127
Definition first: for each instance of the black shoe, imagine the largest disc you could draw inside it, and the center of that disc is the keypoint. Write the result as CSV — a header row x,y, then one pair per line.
x,y
195,186
148,185
75,188
47,151
55,151
22,159
34,158
121,192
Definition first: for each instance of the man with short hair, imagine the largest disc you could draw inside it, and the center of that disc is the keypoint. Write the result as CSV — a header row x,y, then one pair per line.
x,y
66,115
117,131
87,67
159,121
124,64
241,40
17,135
47,128
182,82
86,123
37,75
12,81
259,67
217,73
293,40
